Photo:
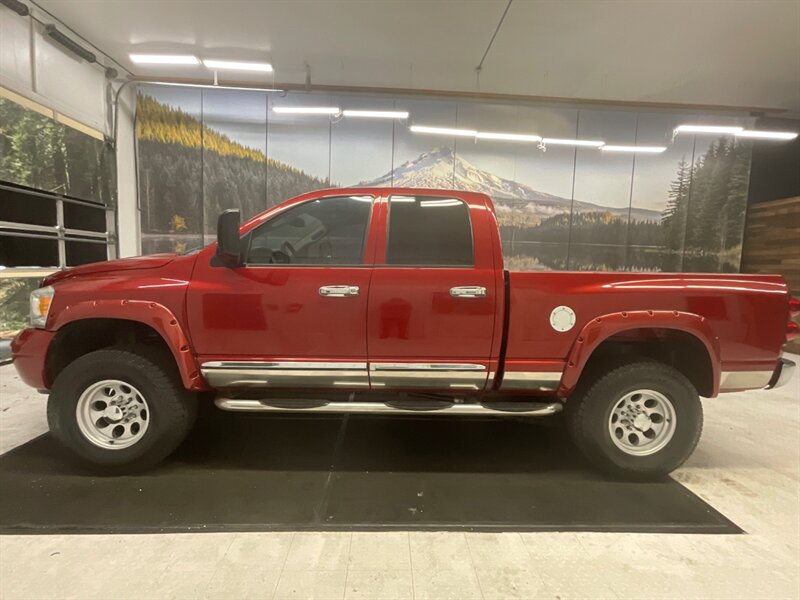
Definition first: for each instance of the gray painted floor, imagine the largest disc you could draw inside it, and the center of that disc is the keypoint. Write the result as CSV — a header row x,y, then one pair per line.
x,y
747,466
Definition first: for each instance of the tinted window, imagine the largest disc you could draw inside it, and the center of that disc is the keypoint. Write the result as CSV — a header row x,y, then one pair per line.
x,y
429,231
329,231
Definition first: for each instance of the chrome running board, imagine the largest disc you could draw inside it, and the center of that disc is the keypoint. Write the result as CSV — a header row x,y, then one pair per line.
x,y
303,406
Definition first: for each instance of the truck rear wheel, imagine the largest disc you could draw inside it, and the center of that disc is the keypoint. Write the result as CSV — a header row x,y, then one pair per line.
x,y
121,409
638,421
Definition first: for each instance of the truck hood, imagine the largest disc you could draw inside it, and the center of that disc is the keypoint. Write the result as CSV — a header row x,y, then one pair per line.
x,y
124,264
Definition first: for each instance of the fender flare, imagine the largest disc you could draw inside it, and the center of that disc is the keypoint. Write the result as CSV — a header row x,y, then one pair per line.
x,y
599,329
154,315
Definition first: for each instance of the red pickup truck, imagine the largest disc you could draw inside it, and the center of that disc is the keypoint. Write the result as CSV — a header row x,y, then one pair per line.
x,y
392,301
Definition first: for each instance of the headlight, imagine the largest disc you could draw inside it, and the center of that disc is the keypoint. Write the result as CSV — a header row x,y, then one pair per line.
x,y
40,305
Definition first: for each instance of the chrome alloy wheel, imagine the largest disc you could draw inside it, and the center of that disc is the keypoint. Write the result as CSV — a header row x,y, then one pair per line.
x,y
642,422
112,414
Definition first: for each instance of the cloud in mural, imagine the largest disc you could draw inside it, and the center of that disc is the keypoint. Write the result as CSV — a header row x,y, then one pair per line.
x,y
441,169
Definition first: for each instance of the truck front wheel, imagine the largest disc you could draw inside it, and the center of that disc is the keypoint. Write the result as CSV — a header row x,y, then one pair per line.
x,y
638,421
121,409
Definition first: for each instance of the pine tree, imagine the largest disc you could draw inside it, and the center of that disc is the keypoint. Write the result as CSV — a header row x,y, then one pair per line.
x,y
176,153
674,216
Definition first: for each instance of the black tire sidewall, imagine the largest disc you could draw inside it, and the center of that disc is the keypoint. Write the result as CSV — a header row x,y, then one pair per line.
x,y
598,404
144,375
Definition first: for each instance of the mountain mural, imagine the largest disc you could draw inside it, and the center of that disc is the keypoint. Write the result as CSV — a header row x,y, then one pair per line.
x,y
189,172
440,168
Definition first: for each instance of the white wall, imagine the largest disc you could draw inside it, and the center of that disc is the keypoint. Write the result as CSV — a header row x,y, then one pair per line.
x,y
34,66
128,218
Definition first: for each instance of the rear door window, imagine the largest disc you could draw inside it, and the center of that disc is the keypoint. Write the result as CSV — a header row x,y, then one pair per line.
x,y
429,231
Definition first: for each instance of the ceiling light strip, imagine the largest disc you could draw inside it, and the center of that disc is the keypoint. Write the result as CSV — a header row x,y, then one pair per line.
x,y
510,137
646,149
566,142
164,59
766,135
716,129
736,131
211,86
443,131
517,137
307,110
237,65
376,114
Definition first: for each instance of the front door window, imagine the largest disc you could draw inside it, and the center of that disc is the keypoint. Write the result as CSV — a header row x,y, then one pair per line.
x,y
329,231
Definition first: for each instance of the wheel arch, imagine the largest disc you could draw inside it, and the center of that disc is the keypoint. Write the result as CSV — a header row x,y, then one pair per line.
x,y
91,325
684,340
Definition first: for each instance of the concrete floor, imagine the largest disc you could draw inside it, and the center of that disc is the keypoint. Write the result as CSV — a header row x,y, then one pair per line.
x,y
747,466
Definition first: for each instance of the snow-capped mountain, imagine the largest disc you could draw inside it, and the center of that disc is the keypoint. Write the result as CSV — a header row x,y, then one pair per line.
x,y
439,169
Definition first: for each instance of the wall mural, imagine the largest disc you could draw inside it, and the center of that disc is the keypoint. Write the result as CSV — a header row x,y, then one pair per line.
x,y
41,153
44,154
202,150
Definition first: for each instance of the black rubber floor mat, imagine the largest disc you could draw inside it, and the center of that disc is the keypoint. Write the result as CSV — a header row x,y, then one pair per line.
x,y
247,473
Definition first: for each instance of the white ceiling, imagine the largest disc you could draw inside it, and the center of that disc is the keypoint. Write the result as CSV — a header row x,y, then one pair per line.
x,y
736,52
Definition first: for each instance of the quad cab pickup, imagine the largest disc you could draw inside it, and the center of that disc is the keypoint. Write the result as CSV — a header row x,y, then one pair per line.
x,y
392,301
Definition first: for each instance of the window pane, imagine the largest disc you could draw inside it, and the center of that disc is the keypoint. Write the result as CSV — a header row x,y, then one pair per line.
x,y
430,231
82,253
21,251
18,206
329,231
84,217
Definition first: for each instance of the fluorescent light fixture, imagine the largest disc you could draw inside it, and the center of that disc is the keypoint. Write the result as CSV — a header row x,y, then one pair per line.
x,y
650,149
402,199
767,135
306,110
447,202
377,114
164,59
211,86
511,137
561,142
236,65
443,131
708,129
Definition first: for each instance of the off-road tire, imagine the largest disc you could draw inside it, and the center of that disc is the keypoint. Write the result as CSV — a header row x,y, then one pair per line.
x,y
152,371
589,409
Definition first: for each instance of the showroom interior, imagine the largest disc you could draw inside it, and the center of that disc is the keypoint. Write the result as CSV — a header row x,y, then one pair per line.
x,y
609,189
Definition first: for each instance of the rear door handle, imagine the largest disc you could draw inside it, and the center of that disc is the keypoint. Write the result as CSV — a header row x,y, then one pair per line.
x,y
338,291
468,291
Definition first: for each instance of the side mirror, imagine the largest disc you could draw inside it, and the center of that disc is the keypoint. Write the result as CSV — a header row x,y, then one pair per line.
x,y
228,244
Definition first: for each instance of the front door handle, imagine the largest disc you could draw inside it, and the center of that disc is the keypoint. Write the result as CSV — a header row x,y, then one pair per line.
x,y
468,291
338,291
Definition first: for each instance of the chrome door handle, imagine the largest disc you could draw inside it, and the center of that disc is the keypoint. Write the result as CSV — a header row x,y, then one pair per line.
x,y
468,291
338,291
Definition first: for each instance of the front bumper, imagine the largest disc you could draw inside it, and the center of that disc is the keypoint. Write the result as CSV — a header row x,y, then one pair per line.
x,y
783,373
29,351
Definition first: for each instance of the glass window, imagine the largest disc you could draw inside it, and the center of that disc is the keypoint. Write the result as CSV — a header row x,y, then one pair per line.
x,y
429,231
329,231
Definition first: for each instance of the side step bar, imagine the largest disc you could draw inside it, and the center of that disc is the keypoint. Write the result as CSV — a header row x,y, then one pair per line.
x,y
488,408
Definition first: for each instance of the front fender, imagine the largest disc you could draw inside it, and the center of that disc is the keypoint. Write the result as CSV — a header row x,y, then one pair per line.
x,y
601,328
152,314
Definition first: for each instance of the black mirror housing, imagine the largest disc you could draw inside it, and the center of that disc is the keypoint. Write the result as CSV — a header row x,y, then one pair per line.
x,y
229,250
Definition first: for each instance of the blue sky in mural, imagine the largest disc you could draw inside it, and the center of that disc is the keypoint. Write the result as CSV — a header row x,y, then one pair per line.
x,y
353,151
607,208
361,149
240,115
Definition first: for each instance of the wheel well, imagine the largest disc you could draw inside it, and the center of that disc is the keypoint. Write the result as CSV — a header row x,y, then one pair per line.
x,y
87,335
673,347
